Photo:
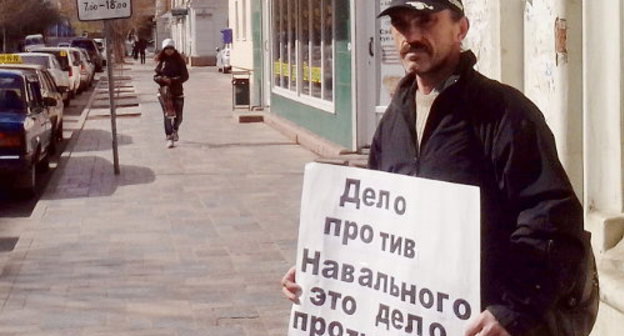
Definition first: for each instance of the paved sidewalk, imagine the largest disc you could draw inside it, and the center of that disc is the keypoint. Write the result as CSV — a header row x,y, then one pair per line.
x,y
186,241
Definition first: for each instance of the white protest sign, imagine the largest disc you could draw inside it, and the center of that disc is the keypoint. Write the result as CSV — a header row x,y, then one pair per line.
x,y
385,254
91,10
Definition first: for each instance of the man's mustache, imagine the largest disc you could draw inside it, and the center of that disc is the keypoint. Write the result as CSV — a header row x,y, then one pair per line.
x,y
414,47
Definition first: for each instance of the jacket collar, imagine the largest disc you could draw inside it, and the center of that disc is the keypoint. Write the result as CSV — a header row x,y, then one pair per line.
x,y
406,89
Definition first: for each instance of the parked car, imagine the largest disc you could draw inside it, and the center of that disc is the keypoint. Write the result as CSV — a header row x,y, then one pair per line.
x,y
91,47
61,79
71,65
223,60
48,90
25,129
63,44
87,69
101,44
33,41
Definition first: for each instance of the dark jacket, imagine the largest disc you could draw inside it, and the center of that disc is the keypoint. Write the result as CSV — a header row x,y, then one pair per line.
x,y
484,133
173,67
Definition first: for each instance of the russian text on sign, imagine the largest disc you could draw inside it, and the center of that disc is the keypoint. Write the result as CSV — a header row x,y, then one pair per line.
x,y
352,194
93,10
381,282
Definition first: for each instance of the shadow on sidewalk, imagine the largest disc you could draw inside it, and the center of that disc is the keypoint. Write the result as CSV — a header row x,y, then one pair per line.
x,y
93,176
98,140
238,144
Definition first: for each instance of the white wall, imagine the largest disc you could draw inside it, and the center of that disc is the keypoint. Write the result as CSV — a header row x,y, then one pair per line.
x,y
603,105
242,46
198,34
483,37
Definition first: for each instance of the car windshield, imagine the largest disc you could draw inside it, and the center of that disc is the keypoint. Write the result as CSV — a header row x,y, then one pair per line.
x,y
11,94
33,41
61,57
35,59
85,44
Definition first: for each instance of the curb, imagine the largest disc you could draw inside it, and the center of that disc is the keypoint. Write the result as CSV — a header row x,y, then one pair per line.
x,y
294,132
328,151
69,149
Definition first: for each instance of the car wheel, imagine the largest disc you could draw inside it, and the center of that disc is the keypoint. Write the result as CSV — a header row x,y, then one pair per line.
x,y
59,132
52,146
26,182
44,164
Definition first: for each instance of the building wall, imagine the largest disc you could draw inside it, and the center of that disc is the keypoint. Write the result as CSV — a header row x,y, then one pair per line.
x,y
334,126
198,33
258,54
240,13
572,68
603,52
483,38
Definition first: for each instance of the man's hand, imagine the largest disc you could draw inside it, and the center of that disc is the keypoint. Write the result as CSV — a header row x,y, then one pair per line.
x,y
485,325
289,287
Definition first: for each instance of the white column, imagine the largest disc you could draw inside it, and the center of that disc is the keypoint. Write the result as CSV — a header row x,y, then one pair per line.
x,y
511,27
568,127
603,106
553,59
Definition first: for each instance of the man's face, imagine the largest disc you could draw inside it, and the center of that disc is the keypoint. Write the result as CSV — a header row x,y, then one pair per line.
x,y
425,40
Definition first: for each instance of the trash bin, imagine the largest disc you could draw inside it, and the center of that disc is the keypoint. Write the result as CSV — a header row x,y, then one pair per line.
x,y
240,90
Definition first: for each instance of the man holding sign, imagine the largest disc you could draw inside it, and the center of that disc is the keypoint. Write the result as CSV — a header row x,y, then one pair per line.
x,y
448,122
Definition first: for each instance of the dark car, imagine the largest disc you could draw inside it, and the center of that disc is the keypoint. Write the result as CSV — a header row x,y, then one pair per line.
x,y
91,47
48,89
25,129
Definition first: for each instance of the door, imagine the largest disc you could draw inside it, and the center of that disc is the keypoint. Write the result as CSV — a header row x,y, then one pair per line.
x,y
266,51
378,67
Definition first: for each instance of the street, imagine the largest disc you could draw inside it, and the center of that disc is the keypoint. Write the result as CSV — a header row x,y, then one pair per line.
x,y
12,205
191,240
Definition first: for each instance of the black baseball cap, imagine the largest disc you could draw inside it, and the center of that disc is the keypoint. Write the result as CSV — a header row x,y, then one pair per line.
x,y
424,5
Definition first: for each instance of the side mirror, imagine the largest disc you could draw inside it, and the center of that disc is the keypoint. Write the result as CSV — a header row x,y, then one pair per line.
x,y
218,49
49,101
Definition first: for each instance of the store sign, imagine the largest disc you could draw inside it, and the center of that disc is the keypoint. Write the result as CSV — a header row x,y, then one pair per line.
x,y
93,10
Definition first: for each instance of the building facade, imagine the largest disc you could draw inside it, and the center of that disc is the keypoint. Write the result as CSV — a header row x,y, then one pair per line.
x,y
329,67
195,26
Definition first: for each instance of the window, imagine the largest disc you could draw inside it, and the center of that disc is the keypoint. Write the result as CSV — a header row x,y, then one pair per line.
x,y
303,47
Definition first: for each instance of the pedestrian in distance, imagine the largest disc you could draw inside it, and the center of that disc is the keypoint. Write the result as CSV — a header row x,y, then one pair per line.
x,y
142,45
171,72
135,50
448,122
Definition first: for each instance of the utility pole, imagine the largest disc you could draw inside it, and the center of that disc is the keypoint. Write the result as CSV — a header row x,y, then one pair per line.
x,y
111,91
95,10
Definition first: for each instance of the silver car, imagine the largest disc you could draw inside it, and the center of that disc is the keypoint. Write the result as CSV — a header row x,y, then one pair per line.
x,y
87,69
70,62
54,67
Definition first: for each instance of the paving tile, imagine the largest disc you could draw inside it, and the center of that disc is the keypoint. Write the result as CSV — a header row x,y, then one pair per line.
x,y
185,241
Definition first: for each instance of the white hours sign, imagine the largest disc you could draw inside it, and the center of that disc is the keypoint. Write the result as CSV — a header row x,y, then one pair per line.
x,y
92,10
